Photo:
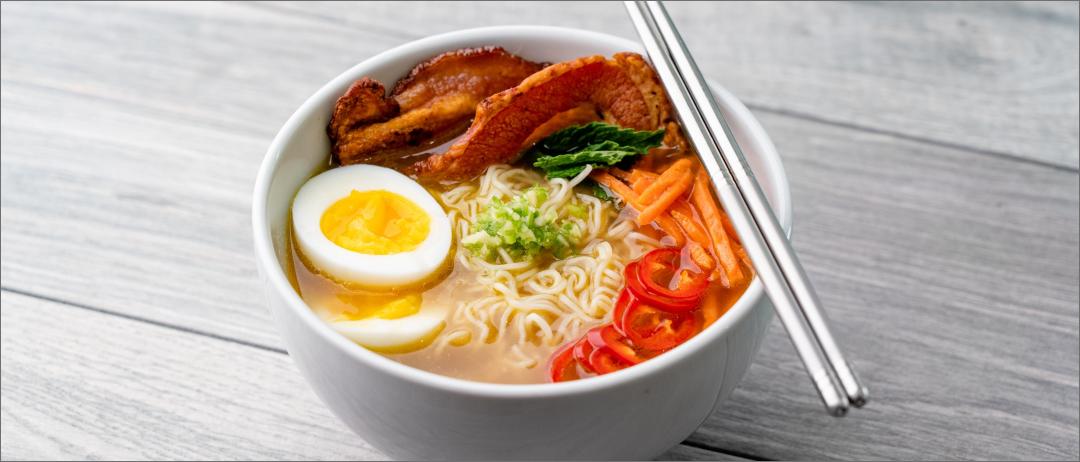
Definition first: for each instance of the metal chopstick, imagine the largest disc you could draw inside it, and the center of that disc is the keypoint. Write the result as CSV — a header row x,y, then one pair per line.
x,y
776,263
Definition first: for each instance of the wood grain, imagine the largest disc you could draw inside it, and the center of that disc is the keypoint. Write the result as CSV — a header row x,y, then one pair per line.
x,y
947,73
951,281
950,274
684,452
84,385
79,384
899,296
997,77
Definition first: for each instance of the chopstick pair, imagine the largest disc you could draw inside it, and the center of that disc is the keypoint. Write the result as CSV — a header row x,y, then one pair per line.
x,y
775,261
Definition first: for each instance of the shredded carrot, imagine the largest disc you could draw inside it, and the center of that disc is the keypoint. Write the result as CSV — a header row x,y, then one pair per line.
x,y
628,195
621,174
616,187
640,185
669,226
641,179
712,306
652,231
735,244
728,227
683,215
665,199
733,235
741,252
701,257
672,176
657,198
714,222
701,241
638,173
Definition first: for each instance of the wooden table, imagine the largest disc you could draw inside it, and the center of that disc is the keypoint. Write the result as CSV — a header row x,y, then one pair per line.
x,y
932,151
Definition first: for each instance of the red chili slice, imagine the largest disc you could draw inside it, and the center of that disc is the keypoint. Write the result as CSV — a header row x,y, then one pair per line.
x,y
651,277
605,361
622,304
618,343
598,356
582,352
608,337
563,366
656,329
661,267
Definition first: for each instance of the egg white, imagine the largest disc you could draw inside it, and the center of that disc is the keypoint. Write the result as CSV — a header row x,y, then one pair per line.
x,y
393,335
376,271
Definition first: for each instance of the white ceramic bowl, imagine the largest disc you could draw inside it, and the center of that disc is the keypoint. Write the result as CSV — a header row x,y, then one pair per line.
x,y
636,413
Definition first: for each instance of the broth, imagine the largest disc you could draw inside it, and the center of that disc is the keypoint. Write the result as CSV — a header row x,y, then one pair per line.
x,y
481,359
602,248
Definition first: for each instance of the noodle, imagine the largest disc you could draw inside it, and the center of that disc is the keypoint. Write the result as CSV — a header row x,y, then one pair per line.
x,y
535,301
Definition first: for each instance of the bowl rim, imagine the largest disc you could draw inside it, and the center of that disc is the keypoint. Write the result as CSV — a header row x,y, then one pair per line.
x,y
273,273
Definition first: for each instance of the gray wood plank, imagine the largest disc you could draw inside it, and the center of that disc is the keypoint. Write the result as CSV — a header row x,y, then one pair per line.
x,y
84,385
183,134
950,275
80,384
951,280
684,452
982,309
943,72
1000,77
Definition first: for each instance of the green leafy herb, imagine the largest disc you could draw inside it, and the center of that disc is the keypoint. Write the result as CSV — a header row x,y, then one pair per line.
x,y
601,193
565,153
518,228
578,137
577,211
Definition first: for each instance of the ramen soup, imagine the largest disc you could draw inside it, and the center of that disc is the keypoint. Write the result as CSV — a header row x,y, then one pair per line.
x,y
495,219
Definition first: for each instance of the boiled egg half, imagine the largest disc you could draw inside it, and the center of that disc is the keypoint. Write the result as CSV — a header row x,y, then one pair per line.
x,y
371,227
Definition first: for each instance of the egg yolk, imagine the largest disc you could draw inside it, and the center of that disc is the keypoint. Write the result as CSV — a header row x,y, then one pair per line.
x,y
384,306
375,222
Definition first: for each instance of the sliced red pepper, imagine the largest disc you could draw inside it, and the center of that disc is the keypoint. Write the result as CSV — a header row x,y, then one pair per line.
x,y
596,355
609,337
654,313
622,304
582,352
563,366
663,274
655,329
605,361
651,277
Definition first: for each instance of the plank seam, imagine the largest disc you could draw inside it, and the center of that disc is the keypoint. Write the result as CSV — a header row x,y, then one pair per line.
x,y
711,448
188,330
908,137
271,8
130,317
753,106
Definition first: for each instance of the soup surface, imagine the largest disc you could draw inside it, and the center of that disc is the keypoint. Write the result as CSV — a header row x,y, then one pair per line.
x,y
569,232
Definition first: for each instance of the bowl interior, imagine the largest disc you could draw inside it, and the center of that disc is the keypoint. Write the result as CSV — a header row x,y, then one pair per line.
x,y
302,148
